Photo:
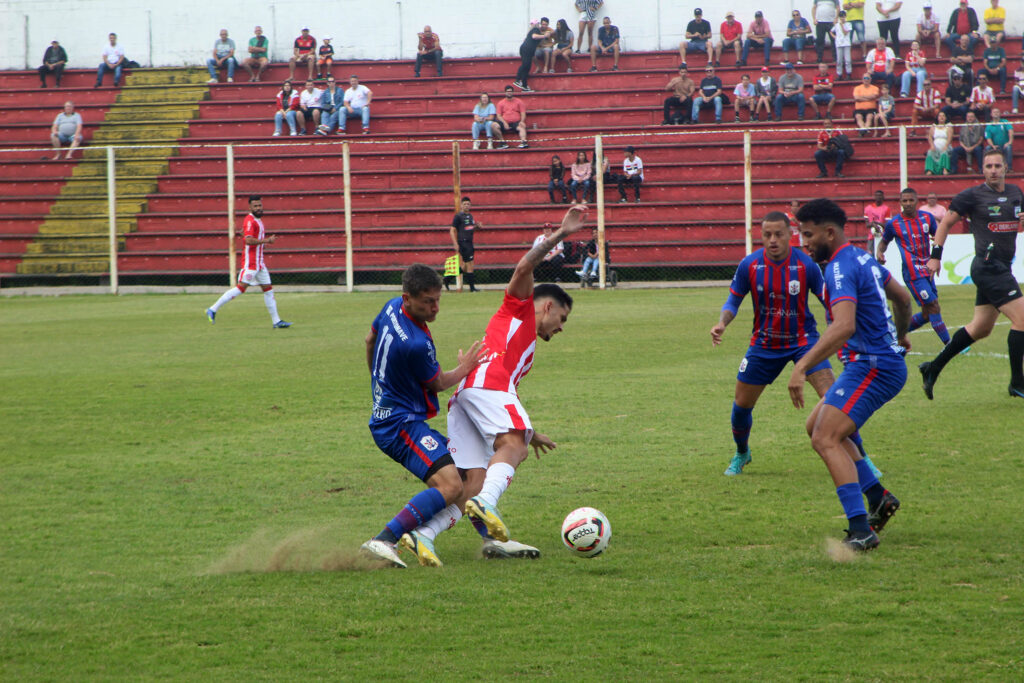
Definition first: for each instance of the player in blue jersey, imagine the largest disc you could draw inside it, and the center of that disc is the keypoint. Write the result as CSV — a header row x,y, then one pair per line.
x,y
871,343
405,378
912,229
779,280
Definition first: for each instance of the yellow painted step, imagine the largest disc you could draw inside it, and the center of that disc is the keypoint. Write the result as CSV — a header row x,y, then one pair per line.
x,y
84,265
85,226
72,245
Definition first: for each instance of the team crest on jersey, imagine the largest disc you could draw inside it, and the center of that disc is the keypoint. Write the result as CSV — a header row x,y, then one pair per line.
x,y
794,287
429,442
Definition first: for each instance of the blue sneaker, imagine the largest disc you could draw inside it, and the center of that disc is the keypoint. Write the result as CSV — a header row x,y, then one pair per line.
x,y
282,323
422,547
739,461
874,470
211,314
488,514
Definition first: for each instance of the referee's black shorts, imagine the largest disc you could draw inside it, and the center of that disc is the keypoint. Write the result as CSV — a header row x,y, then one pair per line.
x,y
995,282
466,250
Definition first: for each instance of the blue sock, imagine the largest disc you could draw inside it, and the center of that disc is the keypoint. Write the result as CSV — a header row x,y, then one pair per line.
x,y
916,321
853,505
869,484
417,511
940,327
742,420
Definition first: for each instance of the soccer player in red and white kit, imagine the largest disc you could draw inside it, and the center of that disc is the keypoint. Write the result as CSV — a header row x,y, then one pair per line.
x,y
254,270
488,428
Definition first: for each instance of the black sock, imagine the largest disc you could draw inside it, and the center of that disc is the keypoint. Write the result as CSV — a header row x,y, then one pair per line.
x,y
1015,342
960,341
471,279
874,494
387,535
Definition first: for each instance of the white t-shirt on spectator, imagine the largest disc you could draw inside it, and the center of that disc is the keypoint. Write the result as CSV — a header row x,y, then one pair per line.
x,y
310,99
634,167
555,251
112,53
888,5
357,96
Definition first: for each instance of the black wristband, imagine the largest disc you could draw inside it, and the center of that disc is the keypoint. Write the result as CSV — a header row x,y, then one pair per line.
x,y
937,252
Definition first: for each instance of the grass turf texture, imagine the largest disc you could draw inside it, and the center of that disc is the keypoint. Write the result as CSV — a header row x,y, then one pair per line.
x,y
184,500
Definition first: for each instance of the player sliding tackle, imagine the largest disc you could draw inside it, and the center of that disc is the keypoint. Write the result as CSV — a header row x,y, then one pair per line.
x,y
871,347
488,427
780,281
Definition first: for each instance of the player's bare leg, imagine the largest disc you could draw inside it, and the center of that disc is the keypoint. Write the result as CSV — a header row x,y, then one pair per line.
x,y
821,381
509,452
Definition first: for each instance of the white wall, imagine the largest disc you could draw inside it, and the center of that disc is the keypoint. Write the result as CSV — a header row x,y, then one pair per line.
x,y
182,32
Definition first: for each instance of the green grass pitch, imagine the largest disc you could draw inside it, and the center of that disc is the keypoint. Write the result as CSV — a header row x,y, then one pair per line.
x,y
184,501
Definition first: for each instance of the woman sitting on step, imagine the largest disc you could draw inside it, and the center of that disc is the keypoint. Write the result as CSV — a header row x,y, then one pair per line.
x,y
288,109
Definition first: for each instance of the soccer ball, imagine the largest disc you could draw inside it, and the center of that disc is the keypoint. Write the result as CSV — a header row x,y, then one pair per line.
x,y
585,532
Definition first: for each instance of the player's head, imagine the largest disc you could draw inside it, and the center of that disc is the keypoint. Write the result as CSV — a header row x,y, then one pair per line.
x,y
994,167
908,201
421,292
256,205
465,203
822,224
775,235
551,305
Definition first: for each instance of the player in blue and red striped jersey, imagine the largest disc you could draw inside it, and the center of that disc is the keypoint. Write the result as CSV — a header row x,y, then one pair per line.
x,y
912,229
405,377
779,280
871,343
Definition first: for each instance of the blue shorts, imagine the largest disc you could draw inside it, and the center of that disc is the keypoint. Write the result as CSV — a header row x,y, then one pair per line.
x,y
823,98
414,446
866,385
923,290
761,366
697,45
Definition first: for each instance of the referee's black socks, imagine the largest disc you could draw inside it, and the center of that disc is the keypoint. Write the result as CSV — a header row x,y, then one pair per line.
x,y
1015,343
960,341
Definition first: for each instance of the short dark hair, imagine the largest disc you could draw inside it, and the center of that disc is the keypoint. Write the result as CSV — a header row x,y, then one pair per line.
x,y
548,290
508,87
776,217
419,278
908,190
822,211
255,198
545,19
993,150
465,199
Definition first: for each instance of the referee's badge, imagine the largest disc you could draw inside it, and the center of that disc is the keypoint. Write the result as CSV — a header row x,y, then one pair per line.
x,y
794,287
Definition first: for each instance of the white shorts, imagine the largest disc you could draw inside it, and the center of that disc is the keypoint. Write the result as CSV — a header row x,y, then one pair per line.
x,y
254,277
475,418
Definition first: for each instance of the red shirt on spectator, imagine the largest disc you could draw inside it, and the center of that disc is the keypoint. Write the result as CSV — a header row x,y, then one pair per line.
x,y
305,44
730,32
511,110
293,100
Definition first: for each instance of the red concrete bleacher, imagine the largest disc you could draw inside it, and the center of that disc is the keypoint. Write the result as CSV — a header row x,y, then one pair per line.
x,y
691,212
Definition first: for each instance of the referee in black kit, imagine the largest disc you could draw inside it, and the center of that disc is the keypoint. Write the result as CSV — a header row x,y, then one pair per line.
x,y
995,212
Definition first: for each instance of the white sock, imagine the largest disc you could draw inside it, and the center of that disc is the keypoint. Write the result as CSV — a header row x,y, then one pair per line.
x,y
225,297
442,521
499,476
271,302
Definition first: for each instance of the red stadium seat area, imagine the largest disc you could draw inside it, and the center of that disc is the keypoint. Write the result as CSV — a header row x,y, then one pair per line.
x,y
691,212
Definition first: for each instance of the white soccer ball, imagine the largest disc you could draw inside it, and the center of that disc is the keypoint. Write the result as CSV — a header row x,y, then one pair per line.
x,y
586,532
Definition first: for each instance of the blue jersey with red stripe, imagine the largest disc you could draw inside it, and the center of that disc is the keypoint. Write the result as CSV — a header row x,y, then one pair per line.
x,y
404,361
913,238
778,291
853,275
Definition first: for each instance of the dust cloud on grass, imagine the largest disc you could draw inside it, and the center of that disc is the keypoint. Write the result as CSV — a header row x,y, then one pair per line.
x,y
306,550
839,551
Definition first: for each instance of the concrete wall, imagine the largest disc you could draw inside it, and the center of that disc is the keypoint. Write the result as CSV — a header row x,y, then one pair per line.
x,y
182,32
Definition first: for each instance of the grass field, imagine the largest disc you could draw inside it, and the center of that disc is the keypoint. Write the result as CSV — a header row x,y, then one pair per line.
x,y
180,500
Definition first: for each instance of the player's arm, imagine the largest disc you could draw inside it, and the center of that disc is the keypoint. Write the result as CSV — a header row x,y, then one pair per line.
x,y
948,221
737,290
455,237
842,327
521,284
254,241
467,361
371,344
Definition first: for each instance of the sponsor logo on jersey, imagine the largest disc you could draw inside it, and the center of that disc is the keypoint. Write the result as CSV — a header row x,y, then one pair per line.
x,y
1004,226
429,442
995,210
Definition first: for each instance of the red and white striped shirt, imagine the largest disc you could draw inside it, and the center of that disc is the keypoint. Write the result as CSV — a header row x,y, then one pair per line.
x,y
928,99
982,96
253,254
511,338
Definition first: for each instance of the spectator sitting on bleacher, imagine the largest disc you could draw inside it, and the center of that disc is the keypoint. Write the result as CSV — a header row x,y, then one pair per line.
x,y
865,102
709,95
588,17
632,174
995,21
962,22
972,143
607,43
743,95
915,62
927,104
428,47
113,60
511,117
309,105
325,58
357,103
937,160
999,134
993,63
791,91
730,35
223,57
828,150
563,45
258,58
54,60
765,88
822,92
551,267
331,102
591,263
582,174
556,180
962,61
958,98
982,98
288,110
483,121
759,35
798,33
677,106
886,110
698,37
66,129
303,52
881,64
545,54
928,28
1018,87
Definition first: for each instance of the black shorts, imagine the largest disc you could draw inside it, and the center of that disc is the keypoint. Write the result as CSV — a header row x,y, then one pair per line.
x,y
509,127
466,250
995,282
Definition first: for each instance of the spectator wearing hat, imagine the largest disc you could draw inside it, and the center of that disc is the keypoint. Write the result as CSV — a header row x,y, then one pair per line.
x,y
759,35
865,103
325,58
995,20
223,57
677,105
765,90
698,37
791,91
928,30
303,51
962,22
709,95
798,33
428,47
824,14
841,33
881,64
993,63
258,58
632,174
54,60
730,35
958,98
823,96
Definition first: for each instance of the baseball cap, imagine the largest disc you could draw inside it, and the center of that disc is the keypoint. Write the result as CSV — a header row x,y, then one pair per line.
x,y
927,5
787,65
548,225
698,11
305,28
327,38
764,69
758,13
54,41
729,14
630,149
